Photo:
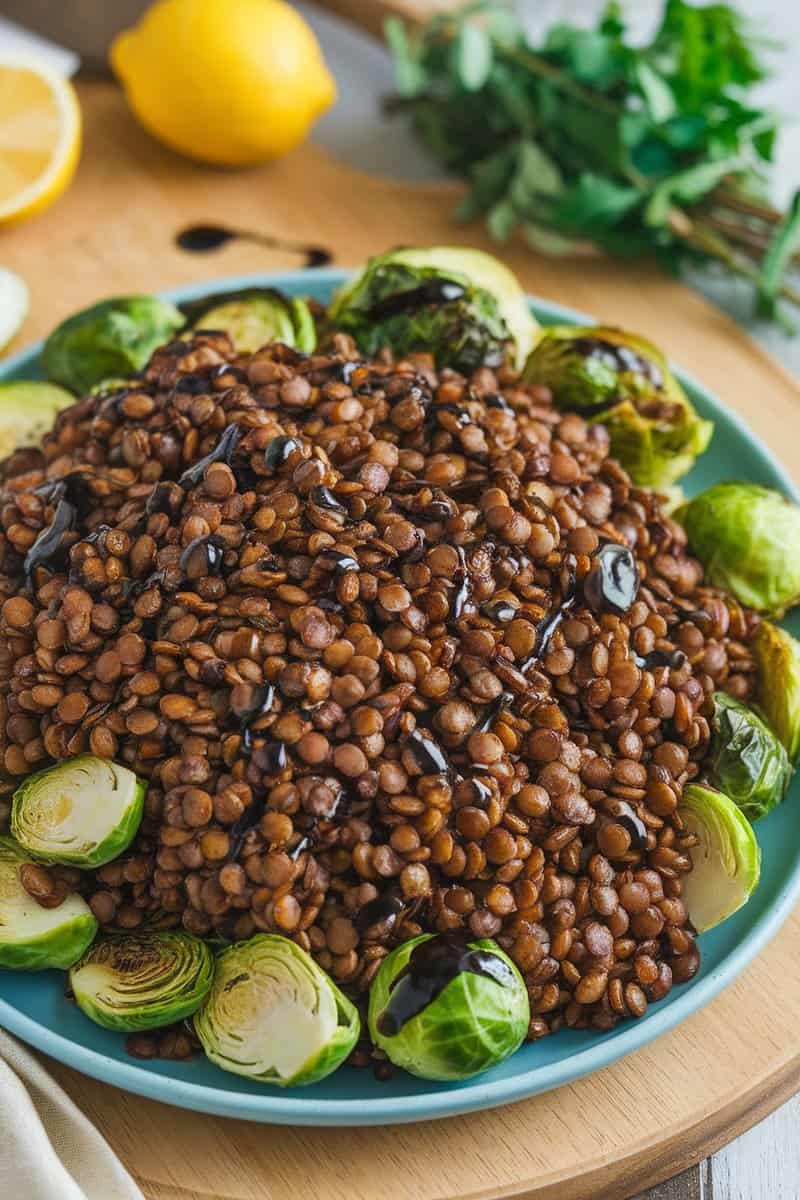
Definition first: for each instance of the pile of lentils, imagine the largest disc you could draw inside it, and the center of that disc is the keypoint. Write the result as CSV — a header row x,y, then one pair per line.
x,y
397,650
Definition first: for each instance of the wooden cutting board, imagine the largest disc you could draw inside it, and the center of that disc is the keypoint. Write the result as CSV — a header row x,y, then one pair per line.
x,y
667,1105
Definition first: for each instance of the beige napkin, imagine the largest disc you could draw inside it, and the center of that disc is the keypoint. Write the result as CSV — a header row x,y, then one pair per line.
x,y
48,1149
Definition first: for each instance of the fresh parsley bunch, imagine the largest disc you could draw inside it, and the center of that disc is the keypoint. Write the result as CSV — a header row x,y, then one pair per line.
x,y
638,149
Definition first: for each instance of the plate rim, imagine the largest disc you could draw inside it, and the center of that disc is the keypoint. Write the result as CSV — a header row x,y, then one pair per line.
x,y
291,1108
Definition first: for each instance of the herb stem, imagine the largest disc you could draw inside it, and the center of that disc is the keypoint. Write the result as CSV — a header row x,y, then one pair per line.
x,y
710,242
538,65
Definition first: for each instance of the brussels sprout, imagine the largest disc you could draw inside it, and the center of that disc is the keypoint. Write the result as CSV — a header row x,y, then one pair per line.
x,y
114,337
777,654
32,937
132,981
27,411
622,381
443,1007
254,316
726,863
83,812
461,305
748,539
274,1015
746,760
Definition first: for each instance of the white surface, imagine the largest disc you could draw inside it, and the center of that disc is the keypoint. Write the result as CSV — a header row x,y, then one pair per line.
x,y
15,40
356,131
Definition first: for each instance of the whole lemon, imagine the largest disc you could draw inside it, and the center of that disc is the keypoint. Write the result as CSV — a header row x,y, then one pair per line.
x,y
230,82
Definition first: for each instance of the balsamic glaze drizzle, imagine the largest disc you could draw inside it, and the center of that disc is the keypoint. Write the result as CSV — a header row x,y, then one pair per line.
x,y
434,291
432,965
201,239
50,541
222,452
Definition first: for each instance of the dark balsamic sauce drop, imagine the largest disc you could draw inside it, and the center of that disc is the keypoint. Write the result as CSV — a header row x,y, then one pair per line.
x,y
435,291
612,584
202,239
338,562
50,541
323,497
280,450
674,659
492,712
383,910
222,452
432,965
499,610
203,551
430,756
621,358
625,815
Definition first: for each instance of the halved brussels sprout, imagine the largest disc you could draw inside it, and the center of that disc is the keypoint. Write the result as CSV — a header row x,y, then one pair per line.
x,y
132,981
28,409
726,863
253,317
83,811
778,656
444,1007
748,539
746,760
112,338
33,938
622,381
461,305
274,1015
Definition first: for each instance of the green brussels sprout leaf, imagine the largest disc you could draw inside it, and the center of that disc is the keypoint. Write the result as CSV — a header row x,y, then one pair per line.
x,y
748,539
726,862
746,760
253,317
113,338
622,381
82,812
444,1008
777,654
28,409
33,938
133,981
273,1015
461,305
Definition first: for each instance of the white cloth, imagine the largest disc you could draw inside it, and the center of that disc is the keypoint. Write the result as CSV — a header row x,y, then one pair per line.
x,y
48,1149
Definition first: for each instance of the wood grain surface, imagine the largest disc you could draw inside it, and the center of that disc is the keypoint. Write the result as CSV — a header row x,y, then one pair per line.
x,y
647,1117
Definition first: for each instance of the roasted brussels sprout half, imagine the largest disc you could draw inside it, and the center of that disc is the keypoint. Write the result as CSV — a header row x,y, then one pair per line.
x,y
461,305
443,1007
748,539
112,338
82,812
746,760
28,409
32,937
254,316
133,981
622,381
726,862
273,1015
777,654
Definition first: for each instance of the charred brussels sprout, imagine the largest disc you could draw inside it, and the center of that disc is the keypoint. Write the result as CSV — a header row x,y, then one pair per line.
x,y
746,760
777,654
622,381
82,812
748,539
33,938
726,862
443,1007
274,1015
28,409
255,316
134,981
113,338
461,305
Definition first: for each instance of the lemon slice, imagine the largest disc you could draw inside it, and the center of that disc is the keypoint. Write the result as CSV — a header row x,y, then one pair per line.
x,y
40,136
13,305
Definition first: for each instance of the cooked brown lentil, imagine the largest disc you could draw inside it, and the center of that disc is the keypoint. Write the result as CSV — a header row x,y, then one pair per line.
x,y
353,658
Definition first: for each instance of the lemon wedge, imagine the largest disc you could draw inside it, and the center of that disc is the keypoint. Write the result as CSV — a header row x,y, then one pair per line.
x,y
40,136
13,305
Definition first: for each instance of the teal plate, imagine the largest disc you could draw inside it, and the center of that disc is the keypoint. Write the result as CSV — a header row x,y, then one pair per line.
x,y
34,1006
